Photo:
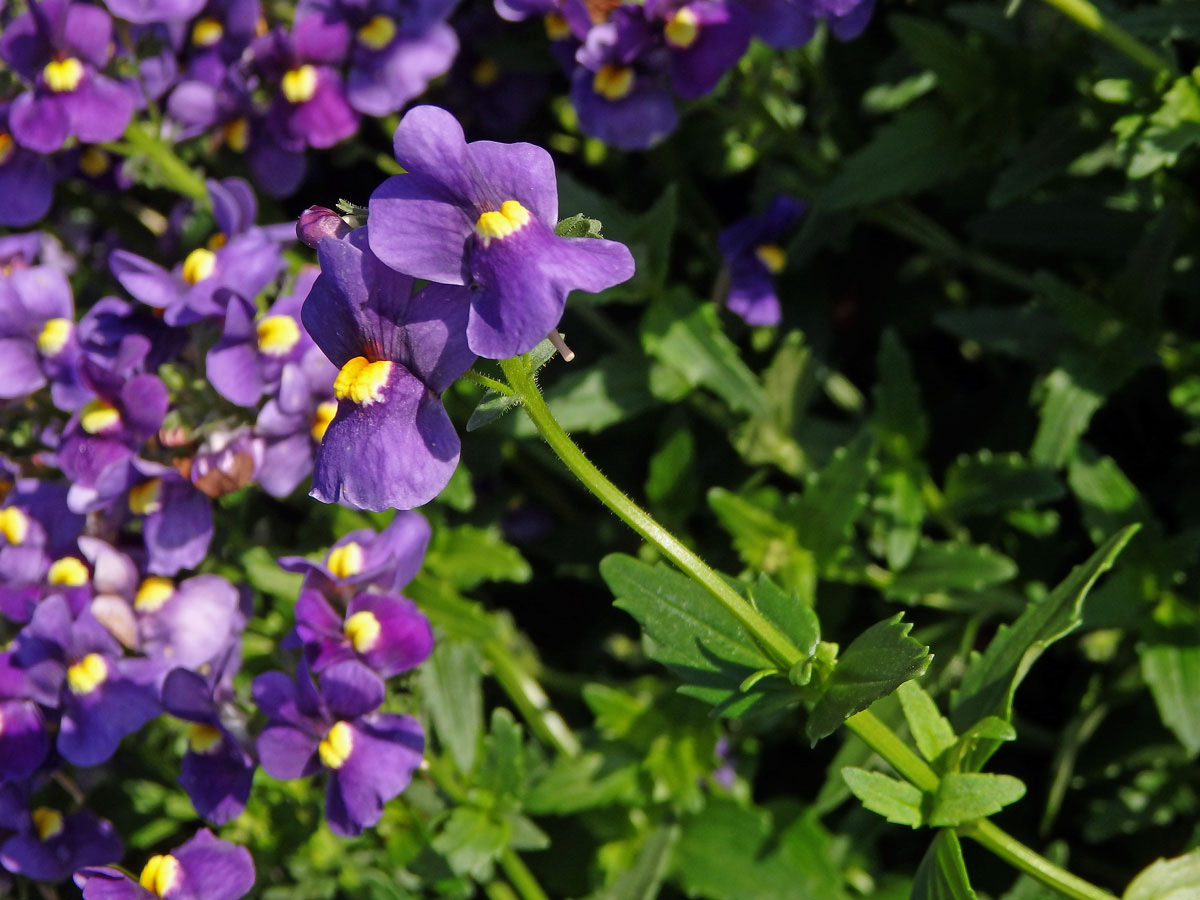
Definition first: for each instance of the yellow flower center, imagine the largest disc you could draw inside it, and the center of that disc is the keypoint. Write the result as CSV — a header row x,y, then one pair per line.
x,y
613,82
7,147
161,874
237,135
556,27
771,256
68,572
199,265
511,218
53,336
362,629
277,335
14,525
87,674
207,32
324,415
98,415
47,822
146,498
335,748
217,241
683,29
94,162
485,72
203,738
361,381
299,85
153,593
62,75
378,33
345,561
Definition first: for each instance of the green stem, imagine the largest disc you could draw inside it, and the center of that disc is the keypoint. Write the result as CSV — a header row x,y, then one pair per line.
x,y
1017,854
531,700
499,890
484,381
877,735
773,641
174,171
1093,20
520,876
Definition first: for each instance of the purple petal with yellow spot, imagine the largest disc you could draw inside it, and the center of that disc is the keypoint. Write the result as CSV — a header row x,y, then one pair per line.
x,y
387,749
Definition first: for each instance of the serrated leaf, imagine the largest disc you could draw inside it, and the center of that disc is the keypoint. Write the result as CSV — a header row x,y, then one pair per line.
x,y
691,633
687,337
900,509
1167,879
930,729
579,225
494,403
965,796
471,841
591,398
502,769
576,783
991,679
916,150
1025,332
1172,672
1066,411
988,483
942,874
897,801
764,541
791,613
643,880
945,567
833,500
876,663
467,555
450,684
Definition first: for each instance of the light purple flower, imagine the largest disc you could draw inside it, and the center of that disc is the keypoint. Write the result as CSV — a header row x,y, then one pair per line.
x,y
52,846
292,424
387,633
27,179
369,756
483,215
37,337
391,443
204,868
385,562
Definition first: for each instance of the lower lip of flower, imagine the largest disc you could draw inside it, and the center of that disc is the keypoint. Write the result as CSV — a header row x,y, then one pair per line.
x,y
362,382
613,82
203,738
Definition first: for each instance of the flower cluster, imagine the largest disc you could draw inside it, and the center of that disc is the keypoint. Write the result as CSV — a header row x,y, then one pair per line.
x,y
477,221
628,61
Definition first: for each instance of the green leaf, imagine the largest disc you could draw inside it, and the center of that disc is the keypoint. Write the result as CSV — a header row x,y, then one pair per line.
x,y
930,729
579,225
576,783
471,841
765,542
450,685
265,575
1058,142
494,403
1172,672
833,500
790,381
671,483
643,880
791,613
942,874
946,567
916,150
897,801
466,555
733,852
502,770
691,633
876,663
1066,410
899,417
1167,879
965,796
900,509
988,483
590,398
687,337
964,75
991,679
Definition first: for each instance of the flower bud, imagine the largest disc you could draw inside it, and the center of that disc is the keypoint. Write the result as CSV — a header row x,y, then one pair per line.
x,y
319,222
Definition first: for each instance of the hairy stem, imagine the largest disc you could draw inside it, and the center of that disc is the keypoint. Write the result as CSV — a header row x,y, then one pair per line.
x,y
1017,854
175,173
1093,20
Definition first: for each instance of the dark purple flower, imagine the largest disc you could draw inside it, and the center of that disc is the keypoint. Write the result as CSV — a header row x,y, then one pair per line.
x,y
387,633
204,868
704,38
54,845
23,739
58,48
754,257
27,179
37,337
177,522
370,756
386,561
391,443
792,23
144,12
483,215
216,771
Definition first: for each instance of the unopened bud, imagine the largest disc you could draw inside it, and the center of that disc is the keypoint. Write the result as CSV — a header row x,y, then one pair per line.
x,y
318,222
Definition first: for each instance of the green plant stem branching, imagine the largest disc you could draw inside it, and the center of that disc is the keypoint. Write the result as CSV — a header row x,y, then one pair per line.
x,y
1087,15
877,735
174,172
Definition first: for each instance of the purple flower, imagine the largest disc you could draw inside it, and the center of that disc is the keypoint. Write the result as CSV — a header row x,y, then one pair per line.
x,y
145,12
704,38
27,179
391,443
370,756
54,845
23,739
387,633
792,23
216,771
58,48
386,561
204,867
37,337
292,424
483,215
319,222
754,257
